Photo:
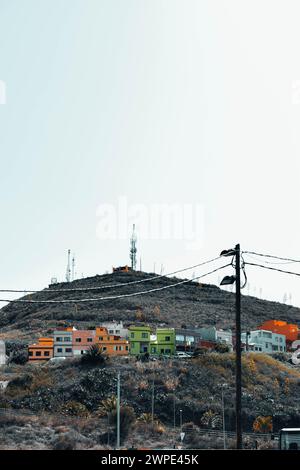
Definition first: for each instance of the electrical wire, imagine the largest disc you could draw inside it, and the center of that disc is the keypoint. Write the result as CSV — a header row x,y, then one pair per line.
x,y
133,294
291,260
273,269
76,289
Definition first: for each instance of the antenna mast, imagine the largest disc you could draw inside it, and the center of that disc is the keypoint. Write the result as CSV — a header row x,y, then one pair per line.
x,y
73,267
68,272
133,249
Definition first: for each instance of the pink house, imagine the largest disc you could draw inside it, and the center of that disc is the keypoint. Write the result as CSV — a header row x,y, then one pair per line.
x,y
82,341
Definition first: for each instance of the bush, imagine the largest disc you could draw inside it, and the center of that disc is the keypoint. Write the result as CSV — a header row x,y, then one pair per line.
x,y
17,352
64,442
127,418
74,408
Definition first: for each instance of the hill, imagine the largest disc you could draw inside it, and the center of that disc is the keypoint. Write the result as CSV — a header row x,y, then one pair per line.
x,y
190,304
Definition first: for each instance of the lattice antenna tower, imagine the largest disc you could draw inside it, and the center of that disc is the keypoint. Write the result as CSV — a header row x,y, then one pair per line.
x,y
133,249
68,271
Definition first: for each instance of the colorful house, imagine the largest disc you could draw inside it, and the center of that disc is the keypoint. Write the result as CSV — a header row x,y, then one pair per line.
x,y
139,337
290,330
41,351
264,341
63,342
163,342
82,341
112,345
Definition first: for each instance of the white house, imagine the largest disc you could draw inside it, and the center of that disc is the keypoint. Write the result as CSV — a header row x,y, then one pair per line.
x,y
264,341
116,328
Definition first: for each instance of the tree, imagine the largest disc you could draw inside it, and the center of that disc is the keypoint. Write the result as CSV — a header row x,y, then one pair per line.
x,y
94,356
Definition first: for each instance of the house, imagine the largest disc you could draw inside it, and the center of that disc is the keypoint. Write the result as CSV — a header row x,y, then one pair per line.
x,y
41,351
290,330
163,342
63,339
213,334
186,339
82,341
112,345
116,328
139,337
264,341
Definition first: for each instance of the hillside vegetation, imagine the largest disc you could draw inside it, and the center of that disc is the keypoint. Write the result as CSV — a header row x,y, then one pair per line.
x,y
72,390
190,304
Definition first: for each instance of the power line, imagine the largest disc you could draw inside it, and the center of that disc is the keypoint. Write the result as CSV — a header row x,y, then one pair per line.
x,y
272,256
133,294
273,269
271,262
74,289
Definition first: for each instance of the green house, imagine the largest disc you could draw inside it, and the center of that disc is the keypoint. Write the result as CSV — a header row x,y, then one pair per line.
x,y
139,337
164,342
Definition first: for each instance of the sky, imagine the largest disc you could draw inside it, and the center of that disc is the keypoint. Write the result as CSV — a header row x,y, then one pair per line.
x,y
119,112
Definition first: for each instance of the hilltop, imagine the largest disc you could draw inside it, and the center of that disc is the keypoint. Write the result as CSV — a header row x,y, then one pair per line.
x,y
188,304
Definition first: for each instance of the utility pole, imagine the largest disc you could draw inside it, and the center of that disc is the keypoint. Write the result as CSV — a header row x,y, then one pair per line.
x,y
236,252
223,417
152,402
239,442
118,412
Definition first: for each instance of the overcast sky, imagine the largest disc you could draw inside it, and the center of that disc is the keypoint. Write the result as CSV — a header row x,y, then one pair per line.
x,y
156,103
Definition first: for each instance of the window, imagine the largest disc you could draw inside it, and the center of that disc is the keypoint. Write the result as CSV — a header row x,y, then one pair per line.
x,y
126,348
108,338
67,339
46,353
121,348
30,353
59,350
100,338
111,332
59,339
144,335
153,350
68,350
115,348
118,332
89,340
280,339
167,338
132,335
104,348
38,353
78,340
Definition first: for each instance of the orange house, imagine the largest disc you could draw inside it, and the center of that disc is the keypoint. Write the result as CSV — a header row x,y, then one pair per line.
x,y
290,330
41,351
112,345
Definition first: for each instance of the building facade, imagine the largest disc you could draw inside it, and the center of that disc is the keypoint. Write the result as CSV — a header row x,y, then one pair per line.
x,y
116,328
139,337
110,344
186,339
63,339
41,351
213,334
264,341
82,340
163,342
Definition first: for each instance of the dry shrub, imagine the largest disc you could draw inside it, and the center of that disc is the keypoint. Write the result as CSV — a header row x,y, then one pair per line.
x,y
143,385
171,383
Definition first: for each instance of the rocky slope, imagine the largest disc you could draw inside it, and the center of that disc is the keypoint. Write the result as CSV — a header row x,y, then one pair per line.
x,y
190,304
